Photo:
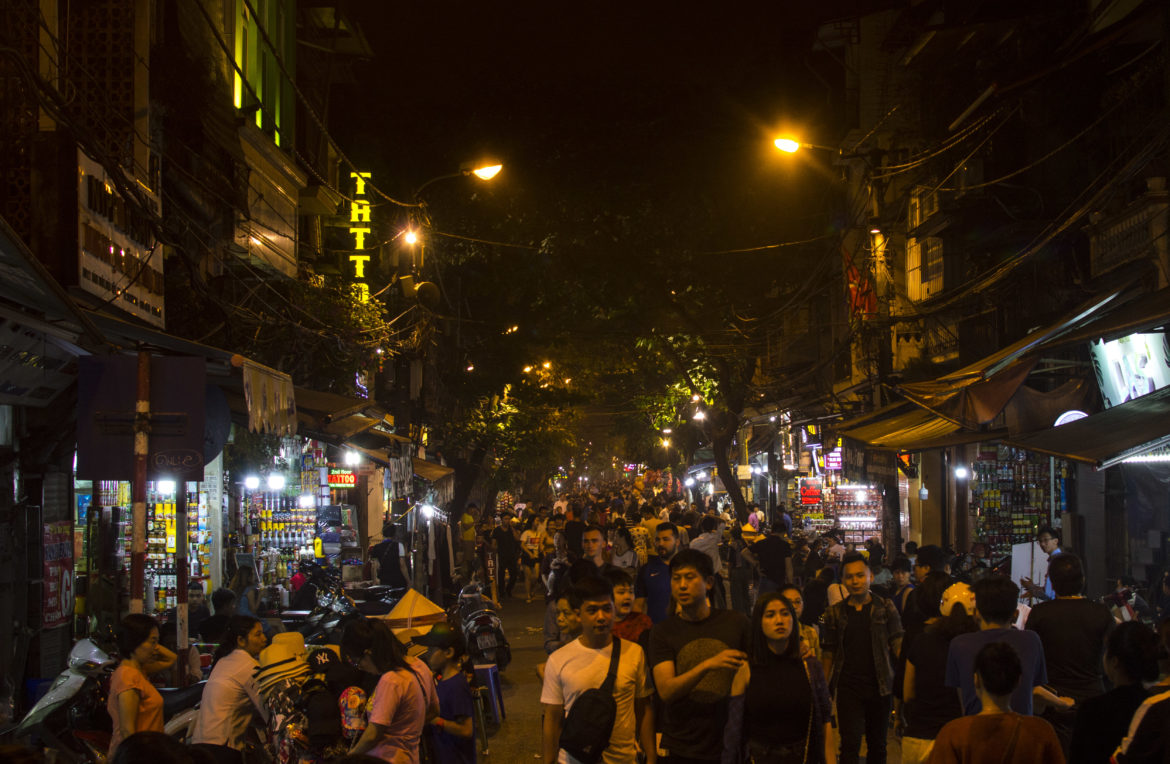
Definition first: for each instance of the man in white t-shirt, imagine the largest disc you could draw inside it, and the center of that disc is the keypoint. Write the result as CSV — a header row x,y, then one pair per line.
x,y
583,665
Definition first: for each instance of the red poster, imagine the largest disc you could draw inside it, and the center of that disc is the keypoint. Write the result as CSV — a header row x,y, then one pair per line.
x,y
810,491
58,574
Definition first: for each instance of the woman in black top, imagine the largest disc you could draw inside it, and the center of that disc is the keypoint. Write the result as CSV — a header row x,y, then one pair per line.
x,y
1131,651
780,701
928,702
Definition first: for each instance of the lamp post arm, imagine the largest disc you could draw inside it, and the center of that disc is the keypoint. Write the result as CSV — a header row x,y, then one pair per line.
x,y
418,191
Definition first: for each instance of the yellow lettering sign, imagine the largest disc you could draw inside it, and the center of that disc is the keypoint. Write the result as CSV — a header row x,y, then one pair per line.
x,y
363,291
359,265
359,237
360,212
359,182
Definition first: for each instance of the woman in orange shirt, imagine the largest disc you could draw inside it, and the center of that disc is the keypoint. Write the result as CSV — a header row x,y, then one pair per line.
x,y
134,704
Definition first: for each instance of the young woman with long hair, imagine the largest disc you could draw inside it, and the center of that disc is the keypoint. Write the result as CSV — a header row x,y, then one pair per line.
x,y
243,583
404,700
780,701
134,704
230,697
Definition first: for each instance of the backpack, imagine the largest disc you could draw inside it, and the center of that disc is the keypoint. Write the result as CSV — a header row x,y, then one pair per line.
x,y
589,723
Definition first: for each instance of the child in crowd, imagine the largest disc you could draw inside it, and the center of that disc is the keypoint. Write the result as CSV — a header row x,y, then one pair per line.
x,y
453,730
568,628
627,624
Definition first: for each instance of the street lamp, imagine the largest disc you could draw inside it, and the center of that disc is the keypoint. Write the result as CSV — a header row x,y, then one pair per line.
x,y
482,170
791,145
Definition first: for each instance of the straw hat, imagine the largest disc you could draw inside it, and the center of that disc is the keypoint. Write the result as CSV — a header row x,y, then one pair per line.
x,y
284,658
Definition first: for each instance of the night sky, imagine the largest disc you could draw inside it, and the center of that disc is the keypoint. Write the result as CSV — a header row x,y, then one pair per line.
x,y
599,105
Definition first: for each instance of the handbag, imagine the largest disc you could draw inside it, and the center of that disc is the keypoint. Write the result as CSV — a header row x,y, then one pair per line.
x,y
589,723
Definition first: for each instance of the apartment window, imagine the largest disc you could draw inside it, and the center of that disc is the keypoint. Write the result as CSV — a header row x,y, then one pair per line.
x,y
259,85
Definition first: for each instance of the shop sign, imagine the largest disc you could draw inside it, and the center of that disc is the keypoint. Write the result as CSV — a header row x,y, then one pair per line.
x,y
105,417
810,491
813,515
341,478
58,574
1131,367
359,228
834,459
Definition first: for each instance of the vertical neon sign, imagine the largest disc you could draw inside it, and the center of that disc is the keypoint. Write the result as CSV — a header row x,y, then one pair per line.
x,y
359,214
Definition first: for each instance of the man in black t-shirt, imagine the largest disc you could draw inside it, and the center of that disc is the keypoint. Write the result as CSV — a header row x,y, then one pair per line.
x,y
862,634
773,555
574,527
1073,631
507,548
694,655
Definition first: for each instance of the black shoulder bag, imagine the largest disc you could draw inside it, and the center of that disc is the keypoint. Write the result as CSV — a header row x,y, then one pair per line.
x,y
590,721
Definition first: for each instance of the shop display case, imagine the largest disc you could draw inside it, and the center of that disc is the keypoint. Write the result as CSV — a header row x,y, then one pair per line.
x,y
1010,495
856,510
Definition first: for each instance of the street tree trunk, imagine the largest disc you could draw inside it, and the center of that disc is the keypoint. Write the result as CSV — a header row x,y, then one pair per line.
x,y
723,428
466,473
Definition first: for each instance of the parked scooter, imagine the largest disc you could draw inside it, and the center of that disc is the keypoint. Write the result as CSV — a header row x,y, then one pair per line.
x,y
72,718
335,607
482,628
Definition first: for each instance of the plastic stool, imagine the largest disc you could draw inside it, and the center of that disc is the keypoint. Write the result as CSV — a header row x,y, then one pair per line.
x,y
488,675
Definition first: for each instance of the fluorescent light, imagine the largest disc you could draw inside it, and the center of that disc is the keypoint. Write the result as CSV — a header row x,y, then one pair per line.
x,y
166,487
276,482
251,482
306,501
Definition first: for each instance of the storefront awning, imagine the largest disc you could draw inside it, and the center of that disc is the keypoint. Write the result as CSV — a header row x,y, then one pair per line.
x,y
1102,440
268,394
976,394
432,471
906,427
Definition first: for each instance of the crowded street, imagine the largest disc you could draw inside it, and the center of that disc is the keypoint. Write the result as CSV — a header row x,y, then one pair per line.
x,y
621,383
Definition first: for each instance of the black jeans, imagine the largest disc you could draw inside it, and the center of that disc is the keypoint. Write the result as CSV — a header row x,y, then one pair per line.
x,y
865,713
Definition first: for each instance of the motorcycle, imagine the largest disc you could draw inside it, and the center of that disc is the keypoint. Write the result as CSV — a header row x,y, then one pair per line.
x,y
72,718
483,631
335,608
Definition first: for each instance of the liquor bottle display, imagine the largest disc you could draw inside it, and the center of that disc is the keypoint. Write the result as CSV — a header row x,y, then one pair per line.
x,y
1010,496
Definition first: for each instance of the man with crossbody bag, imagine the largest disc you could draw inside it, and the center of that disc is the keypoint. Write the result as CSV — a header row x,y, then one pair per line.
x,y
602,683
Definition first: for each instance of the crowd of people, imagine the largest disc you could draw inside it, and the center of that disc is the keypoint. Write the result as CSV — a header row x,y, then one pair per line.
x,y
675,632
753,643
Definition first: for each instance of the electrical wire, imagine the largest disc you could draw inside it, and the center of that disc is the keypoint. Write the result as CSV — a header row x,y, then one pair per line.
x,y
1036,163
309,106
764,247
483,241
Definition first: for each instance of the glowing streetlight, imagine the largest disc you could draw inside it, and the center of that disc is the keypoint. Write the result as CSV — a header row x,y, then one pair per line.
x,y
487,172
352,459
410,237
700,415
790,145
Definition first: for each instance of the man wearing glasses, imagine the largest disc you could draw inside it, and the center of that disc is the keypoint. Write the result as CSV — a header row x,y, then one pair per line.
x,y
1049,540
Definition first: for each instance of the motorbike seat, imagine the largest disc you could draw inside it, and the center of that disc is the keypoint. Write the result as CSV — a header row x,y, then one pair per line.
x,y
176,699
381,591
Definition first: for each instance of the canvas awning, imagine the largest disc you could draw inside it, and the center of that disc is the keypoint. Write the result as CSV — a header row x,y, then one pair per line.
x,y
432,471
976,394
1133,428
906,427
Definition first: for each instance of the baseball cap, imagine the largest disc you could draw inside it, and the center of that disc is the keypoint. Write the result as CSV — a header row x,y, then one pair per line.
x,y
442,636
